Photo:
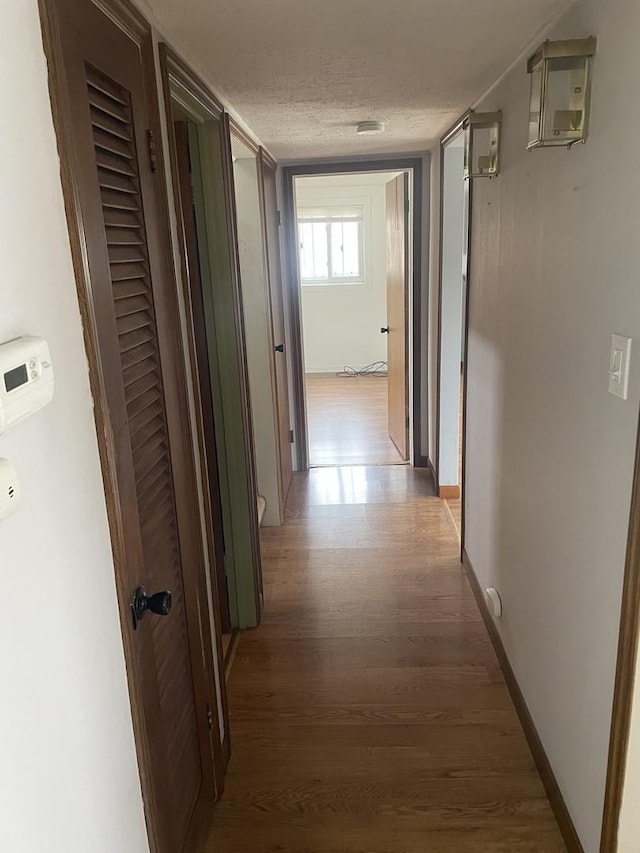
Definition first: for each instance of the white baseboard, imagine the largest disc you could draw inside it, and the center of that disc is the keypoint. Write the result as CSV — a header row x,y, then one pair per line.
x,y
330,369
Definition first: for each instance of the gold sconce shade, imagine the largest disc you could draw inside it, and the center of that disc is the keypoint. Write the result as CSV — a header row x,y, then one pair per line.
x,y
560,91
482,145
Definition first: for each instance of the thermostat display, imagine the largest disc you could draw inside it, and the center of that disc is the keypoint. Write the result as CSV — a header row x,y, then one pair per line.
x,y
26,379
16,377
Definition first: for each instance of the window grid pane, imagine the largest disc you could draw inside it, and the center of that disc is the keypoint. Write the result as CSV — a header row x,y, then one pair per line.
x,y
314,261
320,250
330,247
337,250
351,248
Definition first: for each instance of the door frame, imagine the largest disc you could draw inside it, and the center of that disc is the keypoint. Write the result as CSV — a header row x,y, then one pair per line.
x,y
403,180
135,27
419,300
263,161
265,164
175,71
626,665
206,448
453,131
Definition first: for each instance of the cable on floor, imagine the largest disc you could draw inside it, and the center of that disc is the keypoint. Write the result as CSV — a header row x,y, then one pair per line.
x,y
376,368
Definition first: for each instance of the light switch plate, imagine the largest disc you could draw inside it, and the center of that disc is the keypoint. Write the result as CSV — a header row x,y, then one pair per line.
x,y
619,359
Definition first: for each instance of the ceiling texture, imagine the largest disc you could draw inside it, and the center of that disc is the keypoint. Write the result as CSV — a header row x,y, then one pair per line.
x,y
303,73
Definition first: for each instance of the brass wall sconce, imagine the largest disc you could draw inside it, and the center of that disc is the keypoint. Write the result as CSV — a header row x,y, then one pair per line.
x,y
560,92
482,145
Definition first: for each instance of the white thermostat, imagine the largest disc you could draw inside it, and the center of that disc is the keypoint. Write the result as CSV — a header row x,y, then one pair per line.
x,y
26,379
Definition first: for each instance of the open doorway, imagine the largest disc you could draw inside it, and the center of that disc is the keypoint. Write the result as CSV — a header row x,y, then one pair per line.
x,y
454,240
199,137
258,338
354,268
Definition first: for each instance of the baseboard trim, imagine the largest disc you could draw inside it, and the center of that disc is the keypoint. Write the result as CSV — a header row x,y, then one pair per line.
x,y
449,492
551,786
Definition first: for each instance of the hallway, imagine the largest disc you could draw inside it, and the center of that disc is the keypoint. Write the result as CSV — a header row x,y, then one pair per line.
x,y
368,711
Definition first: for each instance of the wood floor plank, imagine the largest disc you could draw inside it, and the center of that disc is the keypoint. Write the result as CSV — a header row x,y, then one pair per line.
x,y
348,420
368,711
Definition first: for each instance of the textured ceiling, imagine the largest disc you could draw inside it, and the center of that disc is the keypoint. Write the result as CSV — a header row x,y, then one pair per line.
x,y
302,73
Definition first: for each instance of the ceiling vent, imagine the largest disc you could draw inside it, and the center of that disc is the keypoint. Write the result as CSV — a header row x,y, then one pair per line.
x,y
370,128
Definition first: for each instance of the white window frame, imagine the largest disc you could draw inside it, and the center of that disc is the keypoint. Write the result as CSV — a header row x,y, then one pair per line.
x,y
335,214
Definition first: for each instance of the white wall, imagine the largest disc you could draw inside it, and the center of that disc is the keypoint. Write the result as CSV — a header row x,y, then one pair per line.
x,y
451,307
68,773
256,321
555,261
341,323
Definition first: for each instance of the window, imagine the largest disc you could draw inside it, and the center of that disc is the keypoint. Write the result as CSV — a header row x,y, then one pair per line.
x,y
330,245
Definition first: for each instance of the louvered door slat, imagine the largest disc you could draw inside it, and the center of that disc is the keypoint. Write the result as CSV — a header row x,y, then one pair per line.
x,y
118,201
104,141
162,497
108,161
133,322
131,344
108,125
139,424
136,371
150,470
152,483
100,86
121,219
142,384
139,404
122,236
143,432
127,306
127,272
152,495
129,287
112,180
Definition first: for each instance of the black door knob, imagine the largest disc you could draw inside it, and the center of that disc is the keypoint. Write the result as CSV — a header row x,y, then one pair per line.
x,y
279,348
384,330
158,603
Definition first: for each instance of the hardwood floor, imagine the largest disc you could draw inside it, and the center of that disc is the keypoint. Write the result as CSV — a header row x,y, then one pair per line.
x,y
368,711
348,421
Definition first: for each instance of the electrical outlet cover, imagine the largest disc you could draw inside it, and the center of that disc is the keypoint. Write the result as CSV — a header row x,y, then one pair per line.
x,y
9,489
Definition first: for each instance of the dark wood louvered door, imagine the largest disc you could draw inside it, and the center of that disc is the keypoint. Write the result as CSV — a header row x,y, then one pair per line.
x,y
139,358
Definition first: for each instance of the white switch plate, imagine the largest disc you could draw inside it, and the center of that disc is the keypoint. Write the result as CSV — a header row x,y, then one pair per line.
x,y
619,366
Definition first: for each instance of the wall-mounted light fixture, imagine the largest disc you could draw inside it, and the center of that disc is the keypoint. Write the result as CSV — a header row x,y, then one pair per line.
x,y
482,145
560,92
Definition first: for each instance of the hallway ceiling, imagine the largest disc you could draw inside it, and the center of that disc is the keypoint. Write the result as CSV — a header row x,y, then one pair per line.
x,y
303,73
